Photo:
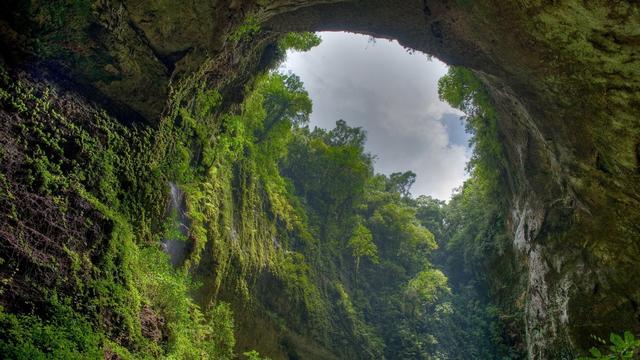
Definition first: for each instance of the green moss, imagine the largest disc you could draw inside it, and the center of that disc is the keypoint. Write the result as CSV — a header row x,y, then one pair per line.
x,y
60,334
60,26
123,285
247,30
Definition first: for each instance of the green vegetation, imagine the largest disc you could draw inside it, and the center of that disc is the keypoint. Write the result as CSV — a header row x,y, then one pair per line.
x,y
464,91
472,233
58,27
110,181
118,294
254,355
247,30
284,223
288,242
268,203
64,335
304,41
361,243
622,347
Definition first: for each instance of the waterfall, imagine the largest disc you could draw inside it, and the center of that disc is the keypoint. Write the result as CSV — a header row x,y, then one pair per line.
x,y
176,242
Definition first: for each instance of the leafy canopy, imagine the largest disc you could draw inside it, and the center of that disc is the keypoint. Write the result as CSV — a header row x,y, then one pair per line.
x,y
299,41
361,243
428,285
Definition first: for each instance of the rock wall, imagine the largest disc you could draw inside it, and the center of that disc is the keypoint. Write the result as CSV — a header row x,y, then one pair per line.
x,y
565,76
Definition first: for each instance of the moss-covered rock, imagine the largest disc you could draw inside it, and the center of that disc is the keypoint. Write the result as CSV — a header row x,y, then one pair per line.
x,y
564,75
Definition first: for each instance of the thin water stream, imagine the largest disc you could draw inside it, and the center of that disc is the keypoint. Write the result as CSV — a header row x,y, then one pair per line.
x,y
176,243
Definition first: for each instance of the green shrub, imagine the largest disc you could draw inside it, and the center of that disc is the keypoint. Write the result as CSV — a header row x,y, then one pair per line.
x,y
193,333
247,30
622,347
62,334
254,355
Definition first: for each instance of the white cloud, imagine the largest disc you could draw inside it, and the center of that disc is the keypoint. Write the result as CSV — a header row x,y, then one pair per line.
x,y
393,95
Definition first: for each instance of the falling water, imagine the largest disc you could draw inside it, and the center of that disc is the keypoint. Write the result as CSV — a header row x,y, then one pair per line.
x,y
176,244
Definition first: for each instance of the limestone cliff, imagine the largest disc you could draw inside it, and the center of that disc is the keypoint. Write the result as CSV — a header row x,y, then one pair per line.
x,y
565,77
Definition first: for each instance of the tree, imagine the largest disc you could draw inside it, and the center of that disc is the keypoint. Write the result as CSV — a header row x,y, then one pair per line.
x,y
345,135
299,41
361,244
428,286
330,168
401,182
463,90
285,100
431,214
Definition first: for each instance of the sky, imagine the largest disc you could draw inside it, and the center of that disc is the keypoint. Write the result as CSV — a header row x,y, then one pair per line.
x,y
392,94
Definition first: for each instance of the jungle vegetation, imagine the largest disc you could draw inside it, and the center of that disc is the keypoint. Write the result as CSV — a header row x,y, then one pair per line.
x,y
285,223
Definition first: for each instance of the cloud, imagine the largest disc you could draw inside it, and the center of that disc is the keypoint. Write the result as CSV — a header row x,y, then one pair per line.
x,y
455,129
393,95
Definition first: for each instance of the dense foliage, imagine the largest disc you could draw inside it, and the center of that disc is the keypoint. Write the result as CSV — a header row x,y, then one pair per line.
x,y
621,347
83,201
258,201
407,298
266,200
151,209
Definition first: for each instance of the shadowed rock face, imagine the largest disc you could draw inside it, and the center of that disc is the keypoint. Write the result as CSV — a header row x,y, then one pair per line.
x,y
565,78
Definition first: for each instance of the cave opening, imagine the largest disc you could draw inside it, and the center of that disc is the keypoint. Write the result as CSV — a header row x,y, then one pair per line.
x,y
295,248
392,93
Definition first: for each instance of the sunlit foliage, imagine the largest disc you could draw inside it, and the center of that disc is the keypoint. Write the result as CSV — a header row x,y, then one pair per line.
x,y
361,244
622,347
268,203
463,90
428,285
303,41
